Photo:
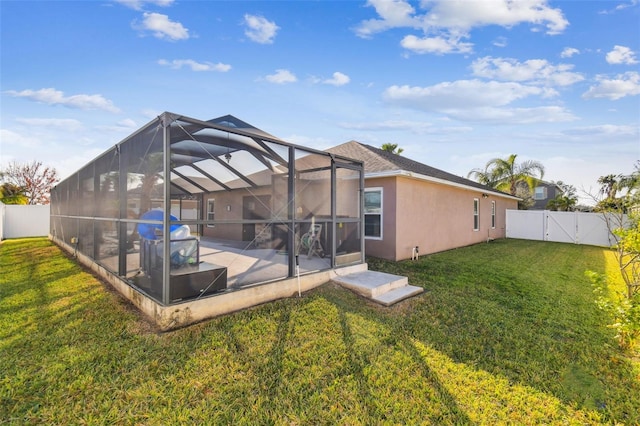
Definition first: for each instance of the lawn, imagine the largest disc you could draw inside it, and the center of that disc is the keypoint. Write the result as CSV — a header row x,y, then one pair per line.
x,y
506,332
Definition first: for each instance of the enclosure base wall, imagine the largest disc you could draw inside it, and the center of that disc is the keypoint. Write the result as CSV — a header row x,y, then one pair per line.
x,y
190,312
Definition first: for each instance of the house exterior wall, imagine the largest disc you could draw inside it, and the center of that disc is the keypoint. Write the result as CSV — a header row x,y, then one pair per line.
x,y
433,216
550,191
384,248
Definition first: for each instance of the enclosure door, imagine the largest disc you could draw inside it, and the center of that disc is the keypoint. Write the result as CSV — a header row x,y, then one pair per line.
x,y
254,207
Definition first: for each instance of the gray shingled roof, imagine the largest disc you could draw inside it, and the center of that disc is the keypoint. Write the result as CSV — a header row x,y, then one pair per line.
x,y
377,160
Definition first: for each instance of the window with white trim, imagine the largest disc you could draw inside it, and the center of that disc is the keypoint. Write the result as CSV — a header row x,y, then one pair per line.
x,y
476,214
493,215
373,213
211,212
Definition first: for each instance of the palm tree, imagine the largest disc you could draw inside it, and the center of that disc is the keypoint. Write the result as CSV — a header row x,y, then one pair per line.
x,y
392,148
563,203
506,175
486,177
621,191
610,185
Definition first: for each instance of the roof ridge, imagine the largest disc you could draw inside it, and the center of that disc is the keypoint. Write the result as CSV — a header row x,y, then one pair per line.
x,y
379,161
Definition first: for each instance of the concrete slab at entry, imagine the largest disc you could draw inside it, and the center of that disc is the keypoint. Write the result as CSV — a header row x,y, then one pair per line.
x,y
380,287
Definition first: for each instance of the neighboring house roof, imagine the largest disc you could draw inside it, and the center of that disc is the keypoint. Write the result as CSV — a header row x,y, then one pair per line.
x,y
235,123
549,184
381,163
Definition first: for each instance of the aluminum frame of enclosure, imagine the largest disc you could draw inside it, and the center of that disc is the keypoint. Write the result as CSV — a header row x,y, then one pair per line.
x,y
250,199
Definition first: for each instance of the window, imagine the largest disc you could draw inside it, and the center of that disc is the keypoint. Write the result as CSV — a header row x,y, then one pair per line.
x,y
211,212
476,214
493,215
540,193
373,213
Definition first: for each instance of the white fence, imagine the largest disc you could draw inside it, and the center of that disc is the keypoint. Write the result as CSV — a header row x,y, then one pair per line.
x,y
18,221
563,227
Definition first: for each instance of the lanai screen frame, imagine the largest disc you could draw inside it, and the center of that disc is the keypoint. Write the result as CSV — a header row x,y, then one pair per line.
x,y
177,142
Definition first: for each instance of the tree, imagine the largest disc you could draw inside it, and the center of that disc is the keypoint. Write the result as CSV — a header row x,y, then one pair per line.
x,y
622,194
565,201
34,179
610,185
562,203
392,148
506,175
12,194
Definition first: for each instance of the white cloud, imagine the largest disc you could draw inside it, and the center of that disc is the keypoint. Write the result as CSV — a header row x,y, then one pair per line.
x,y
9,137
619,7
52,96
500,42
568,52
150,113
127,125
445,22
438,45
163,28
338,79
394,14
127,122
546,114
475,100
460,94
67,124
177,64
412,126
259,29
282,76
465,15
391,125
627,84
605,130
139,4
622,55
533,70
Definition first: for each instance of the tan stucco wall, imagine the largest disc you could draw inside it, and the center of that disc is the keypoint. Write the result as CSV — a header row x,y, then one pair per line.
x,y
386,247
234,200
432,216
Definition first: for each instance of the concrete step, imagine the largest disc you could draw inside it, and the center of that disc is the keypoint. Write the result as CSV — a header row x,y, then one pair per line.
x,y
398,294
371,284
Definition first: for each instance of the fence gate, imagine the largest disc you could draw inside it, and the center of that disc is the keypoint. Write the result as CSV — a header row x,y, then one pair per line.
x,y
562,227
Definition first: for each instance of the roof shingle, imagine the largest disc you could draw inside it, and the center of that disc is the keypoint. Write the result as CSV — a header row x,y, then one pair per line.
x,y
377,160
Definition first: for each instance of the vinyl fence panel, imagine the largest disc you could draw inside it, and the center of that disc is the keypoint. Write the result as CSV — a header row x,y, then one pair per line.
x,y
525,224
20,221
593,230
563,227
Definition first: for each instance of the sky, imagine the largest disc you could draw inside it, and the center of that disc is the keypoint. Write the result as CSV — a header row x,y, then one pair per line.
x,y
454,83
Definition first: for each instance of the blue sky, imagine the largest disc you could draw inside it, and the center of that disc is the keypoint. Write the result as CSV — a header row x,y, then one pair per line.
x,y
454,83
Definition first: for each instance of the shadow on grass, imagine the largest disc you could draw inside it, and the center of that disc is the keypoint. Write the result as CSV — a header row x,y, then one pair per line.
x,y
523,310
476,331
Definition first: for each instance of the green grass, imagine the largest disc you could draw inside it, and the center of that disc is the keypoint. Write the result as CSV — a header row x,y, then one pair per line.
x,y
506,333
